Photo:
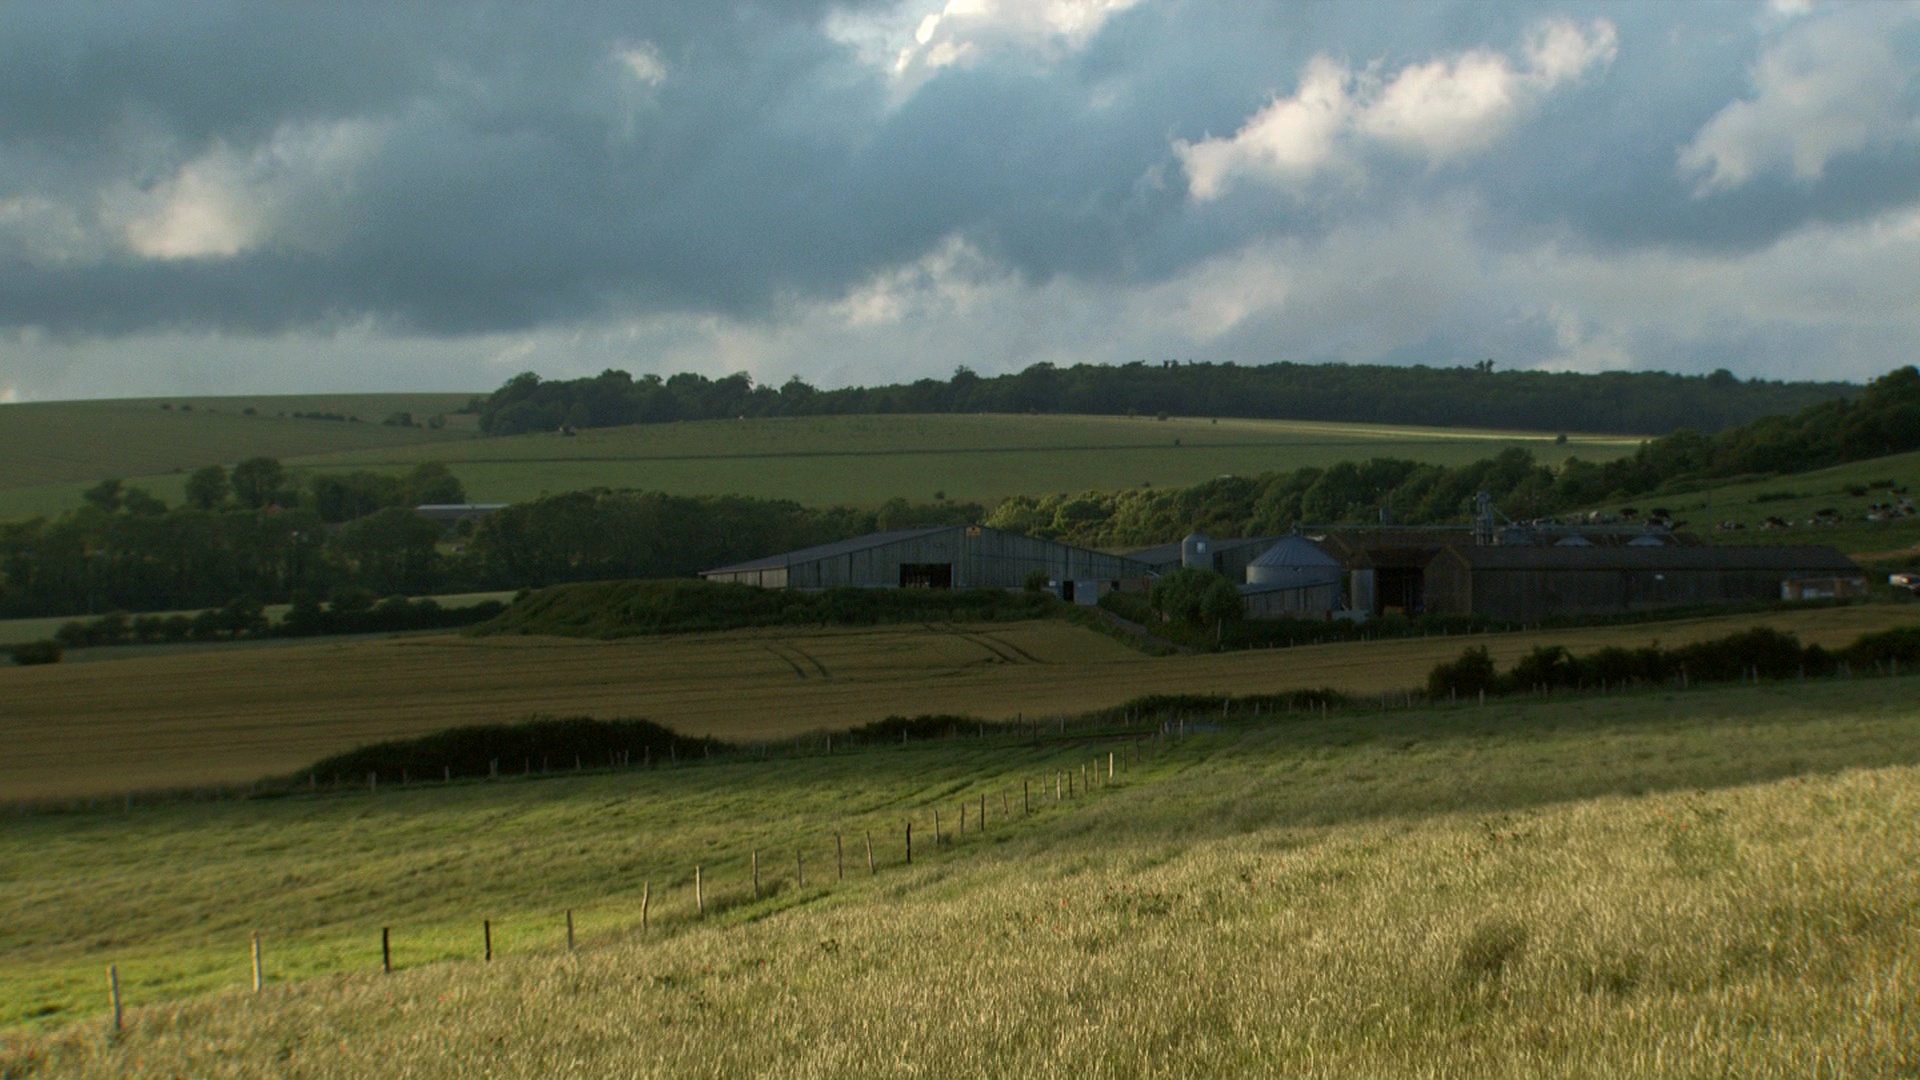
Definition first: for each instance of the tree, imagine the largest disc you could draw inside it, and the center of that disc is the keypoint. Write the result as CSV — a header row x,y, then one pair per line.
x,y
259,481
207,488
141,503
1196,596
105,495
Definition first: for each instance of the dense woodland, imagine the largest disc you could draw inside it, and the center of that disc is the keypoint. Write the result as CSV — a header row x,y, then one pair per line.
x,y
1477,396
259,535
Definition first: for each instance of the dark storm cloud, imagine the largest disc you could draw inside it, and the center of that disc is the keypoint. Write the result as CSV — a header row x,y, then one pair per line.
x,y
521,177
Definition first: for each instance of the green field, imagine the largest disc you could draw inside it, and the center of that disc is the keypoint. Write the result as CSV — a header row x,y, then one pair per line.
x,y
1796,498
231,715
55,450
1716,882
854,460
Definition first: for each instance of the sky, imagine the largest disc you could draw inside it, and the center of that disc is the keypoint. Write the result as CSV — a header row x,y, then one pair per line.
x,y
201,197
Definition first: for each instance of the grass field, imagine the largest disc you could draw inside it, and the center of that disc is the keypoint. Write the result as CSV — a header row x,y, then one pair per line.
x,y
234,716
55,450
857,460
1797,498
1716,882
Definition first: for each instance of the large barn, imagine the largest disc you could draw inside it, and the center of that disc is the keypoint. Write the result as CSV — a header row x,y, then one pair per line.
x,y
1525,584
942,557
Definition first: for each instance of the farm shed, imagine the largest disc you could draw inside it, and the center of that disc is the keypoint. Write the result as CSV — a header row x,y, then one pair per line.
x,y
1528,583
941,557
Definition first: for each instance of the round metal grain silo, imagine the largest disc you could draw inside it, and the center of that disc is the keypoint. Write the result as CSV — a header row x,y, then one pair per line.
x,y
1295,562
1196,551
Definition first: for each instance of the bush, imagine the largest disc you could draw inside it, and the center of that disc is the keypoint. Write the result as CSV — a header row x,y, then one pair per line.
x,y
1196,596
1469,676
36,652
541,742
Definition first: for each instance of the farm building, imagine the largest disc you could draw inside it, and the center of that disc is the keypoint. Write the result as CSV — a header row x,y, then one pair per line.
x,y
1528,583
1226,557
1294,578
942,557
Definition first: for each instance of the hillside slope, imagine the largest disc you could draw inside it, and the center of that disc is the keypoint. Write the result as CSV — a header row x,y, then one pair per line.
x,y
1718,883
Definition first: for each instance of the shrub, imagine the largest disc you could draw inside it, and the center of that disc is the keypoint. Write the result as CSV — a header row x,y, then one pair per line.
x,y
1472,674
36,652
548,741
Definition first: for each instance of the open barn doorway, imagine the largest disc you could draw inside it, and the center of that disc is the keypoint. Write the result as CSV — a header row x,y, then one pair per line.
x,y
929,575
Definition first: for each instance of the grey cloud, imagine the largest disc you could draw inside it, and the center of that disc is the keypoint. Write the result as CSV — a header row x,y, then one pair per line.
x,y
522,181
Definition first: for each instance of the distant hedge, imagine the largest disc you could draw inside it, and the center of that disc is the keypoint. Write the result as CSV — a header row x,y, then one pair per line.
x,y
28,653
540,744
1760,653
612,609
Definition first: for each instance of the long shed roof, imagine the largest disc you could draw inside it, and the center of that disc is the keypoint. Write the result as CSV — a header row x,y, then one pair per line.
x,y
828,551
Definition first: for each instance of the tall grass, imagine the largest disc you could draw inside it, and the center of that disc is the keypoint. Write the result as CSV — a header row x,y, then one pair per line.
x,y
1707,883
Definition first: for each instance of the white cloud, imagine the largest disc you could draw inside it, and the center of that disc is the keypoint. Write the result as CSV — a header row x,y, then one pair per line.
x,y
1829,88
229,201
1442,110
1291,139
643,62
915,40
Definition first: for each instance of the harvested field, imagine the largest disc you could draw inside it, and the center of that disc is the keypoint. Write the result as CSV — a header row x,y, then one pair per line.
x,y
231,716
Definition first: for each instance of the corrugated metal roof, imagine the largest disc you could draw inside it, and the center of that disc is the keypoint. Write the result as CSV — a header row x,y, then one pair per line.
x,y
828,551
1749,557
1295,551
1170,553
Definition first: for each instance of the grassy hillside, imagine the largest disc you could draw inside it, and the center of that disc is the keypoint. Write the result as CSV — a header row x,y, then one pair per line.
x,y
230,716
55,450
856,460
1850,489
1715,882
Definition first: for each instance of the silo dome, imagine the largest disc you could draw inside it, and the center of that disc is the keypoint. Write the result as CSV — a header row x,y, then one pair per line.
x,y
1295,562
1196,551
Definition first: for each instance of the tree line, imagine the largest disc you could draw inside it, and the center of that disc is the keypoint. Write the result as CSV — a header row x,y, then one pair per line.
x,y
1884,418
1472,396
132,553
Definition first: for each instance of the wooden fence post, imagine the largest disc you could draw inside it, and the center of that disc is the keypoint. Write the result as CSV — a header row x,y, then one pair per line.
x,y
113,992
1026,798
800,868
983,811
870,870
699,892
909,843
386,950
486,931
569,929
259,969
756,873
1109,766
936,828
646,901
1006,805
839,859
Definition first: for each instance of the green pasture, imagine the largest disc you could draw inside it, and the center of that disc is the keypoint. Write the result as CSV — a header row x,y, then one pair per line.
x,y
55,450
856,460
1709,882
1850,489
865,460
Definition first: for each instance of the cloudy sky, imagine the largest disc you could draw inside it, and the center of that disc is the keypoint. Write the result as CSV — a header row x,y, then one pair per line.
x,y
208,197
